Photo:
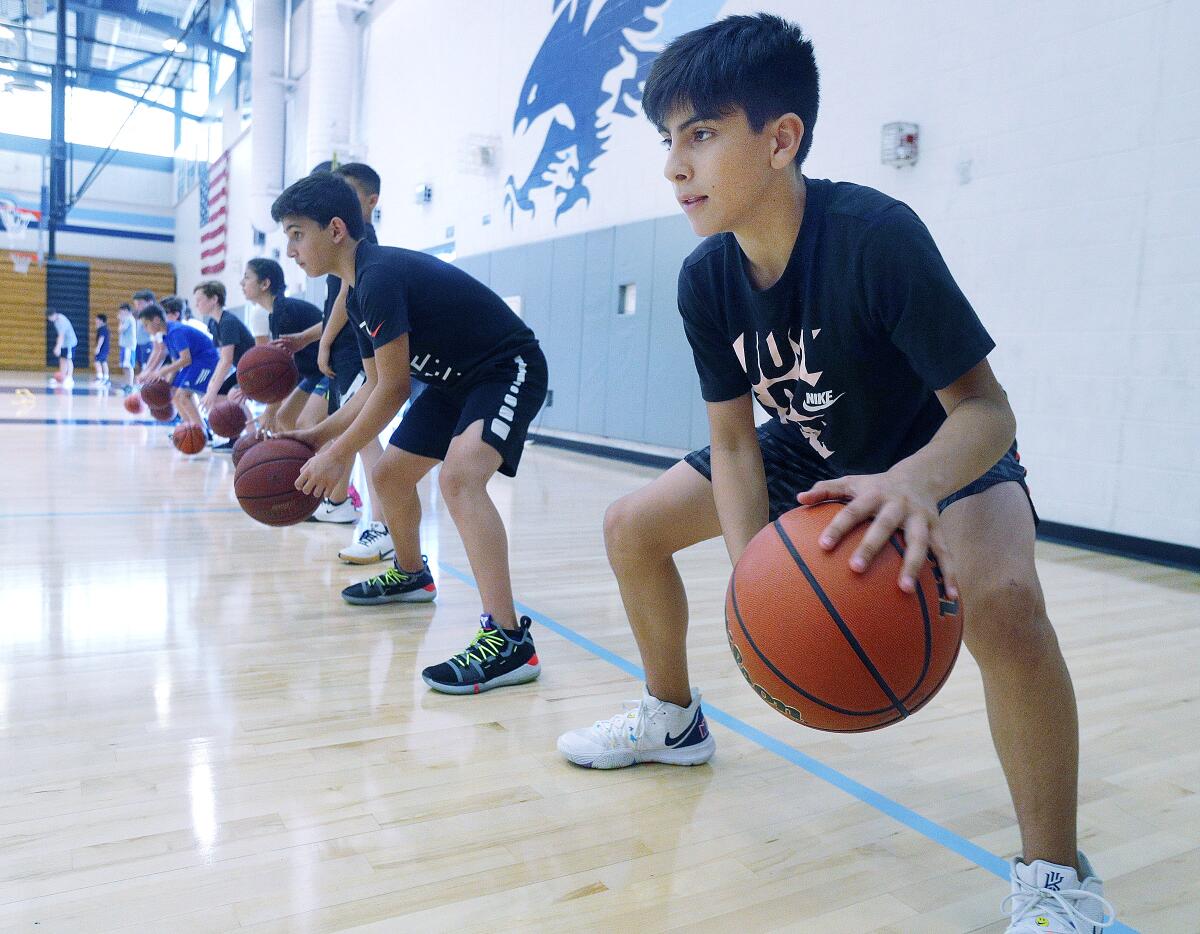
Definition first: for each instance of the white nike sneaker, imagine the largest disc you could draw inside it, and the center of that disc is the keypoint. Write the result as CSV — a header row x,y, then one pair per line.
x,y
374,543
1050,899
649,730
342,512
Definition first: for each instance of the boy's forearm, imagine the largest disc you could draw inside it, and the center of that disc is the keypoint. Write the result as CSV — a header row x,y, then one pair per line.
x,y
740,491
970,441
376,412
332,427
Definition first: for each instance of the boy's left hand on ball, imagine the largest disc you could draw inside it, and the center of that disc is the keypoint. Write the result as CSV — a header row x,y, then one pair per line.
x,y
891,501
321,474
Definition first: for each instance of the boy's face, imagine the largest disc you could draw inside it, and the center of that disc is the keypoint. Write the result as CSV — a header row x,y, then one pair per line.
x,y
139,304
208,307
313,247
720,168
252,287
154,325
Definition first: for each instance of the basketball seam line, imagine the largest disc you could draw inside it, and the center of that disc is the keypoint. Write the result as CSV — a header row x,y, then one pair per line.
x,y
780,675
841,624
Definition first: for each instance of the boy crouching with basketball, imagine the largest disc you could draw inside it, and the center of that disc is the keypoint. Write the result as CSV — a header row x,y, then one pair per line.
x,y
830,304
193,358
416,317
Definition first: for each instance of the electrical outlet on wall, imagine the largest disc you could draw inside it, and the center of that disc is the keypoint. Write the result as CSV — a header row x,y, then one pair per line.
x,y
549,398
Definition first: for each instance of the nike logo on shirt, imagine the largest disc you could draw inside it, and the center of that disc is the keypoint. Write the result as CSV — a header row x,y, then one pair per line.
x,y
819,401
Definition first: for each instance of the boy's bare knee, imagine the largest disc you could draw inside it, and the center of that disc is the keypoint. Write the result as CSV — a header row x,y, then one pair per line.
x,y
626,531
1006,620
456,481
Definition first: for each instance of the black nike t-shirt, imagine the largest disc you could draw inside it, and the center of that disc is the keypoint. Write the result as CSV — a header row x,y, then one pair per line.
x,y
345,345
230,331
460,332
291,316
846,349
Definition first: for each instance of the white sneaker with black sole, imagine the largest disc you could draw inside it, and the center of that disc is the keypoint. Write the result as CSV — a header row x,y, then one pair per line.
x,y
648,730
340,513
374,543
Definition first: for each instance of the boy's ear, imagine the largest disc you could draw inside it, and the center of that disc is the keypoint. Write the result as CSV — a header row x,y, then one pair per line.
x,y
372,201
787,135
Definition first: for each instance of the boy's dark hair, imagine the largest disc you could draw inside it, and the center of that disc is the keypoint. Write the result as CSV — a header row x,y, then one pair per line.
x,y
760,64
50,312
271,271
152,311
144,295
125,306
362,173
326,166
321,198
103,318
172,305
213,289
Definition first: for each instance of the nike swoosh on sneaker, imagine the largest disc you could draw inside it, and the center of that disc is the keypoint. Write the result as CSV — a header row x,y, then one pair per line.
x,y
696,732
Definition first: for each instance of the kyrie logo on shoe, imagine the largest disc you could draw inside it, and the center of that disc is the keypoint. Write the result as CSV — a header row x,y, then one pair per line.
x,y
1053,881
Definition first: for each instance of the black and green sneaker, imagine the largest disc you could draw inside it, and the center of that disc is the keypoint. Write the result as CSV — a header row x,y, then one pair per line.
x,y
495,658
393,586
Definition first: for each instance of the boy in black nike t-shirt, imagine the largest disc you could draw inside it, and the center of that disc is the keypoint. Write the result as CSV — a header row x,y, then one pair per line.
x,y
830,304
416,317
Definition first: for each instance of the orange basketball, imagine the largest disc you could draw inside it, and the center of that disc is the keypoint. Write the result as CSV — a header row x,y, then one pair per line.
x,y
244,444
228,419
162,414
265,482
157,393
133,404
829,647
189,438
267,374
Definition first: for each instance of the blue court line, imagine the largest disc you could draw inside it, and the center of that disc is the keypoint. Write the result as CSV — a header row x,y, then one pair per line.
x,y
79,421
885,805
108,513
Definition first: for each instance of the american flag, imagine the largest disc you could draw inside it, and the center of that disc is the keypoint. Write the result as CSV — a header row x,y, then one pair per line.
x,y
214,215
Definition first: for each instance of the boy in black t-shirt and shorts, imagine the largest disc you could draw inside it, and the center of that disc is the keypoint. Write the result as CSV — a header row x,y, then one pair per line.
x,y
830,304
232,338
417,317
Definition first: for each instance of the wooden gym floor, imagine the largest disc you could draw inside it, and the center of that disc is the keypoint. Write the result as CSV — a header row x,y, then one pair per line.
x,y
197,734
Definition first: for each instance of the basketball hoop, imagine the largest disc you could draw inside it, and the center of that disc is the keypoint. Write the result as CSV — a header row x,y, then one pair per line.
x,y
21,261
16,222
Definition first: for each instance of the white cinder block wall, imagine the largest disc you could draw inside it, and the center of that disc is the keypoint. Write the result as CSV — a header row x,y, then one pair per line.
x,y
1060,158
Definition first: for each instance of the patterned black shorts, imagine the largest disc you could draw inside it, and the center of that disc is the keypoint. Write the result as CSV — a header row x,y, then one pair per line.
x,y
792,469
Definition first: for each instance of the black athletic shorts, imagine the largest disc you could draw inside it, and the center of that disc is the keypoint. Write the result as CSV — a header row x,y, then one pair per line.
x,y
229,385
795,468
348,377
506,408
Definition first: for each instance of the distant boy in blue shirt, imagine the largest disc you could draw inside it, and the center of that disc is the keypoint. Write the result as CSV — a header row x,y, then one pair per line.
x,y
145,346
127,342
193,360
102,349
